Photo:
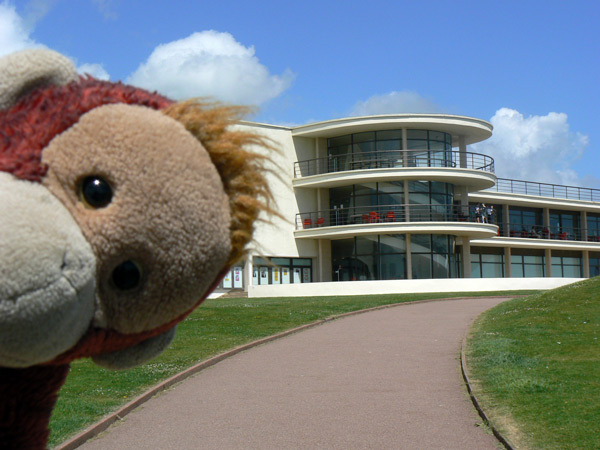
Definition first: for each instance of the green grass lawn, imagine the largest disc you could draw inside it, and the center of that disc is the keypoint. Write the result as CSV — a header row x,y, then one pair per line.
x,y
91,392
536,361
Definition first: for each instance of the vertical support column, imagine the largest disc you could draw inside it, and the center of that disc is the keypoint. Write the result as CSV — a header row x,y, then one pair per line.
x,y
546,213
466,257
507,266
404,148
406,202
548,259
408,258
462,148
248,273
506,220
583,227
463,192
585,260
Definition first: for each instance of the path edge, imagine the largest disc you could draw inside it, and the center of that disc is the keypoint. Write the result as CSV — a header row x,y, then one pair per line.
x,y
103,424
476,403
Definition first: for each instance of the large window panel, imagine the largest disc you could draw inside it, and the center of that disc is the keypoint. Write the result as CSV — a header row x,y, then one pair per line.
x,y
393,243
421,266
393,266
426,148
487,262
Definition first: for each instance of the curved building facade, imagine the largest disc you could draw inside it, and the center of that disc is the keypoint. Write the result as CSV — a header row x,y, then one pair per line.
x,y
401,197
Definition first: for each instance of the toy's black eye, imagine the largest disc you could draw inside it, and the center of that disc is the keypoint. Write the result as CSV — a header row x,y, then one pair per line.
x,y
127,276
96,192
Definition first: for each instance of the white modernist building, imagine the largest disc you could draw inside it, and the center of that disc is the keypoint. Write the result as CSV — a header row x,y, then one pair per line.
x,y
398,203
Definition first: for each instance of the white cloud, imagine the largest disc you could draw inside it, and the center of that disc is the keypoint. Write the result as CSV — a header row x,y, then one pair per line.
x,y
14,33
105,7
394,103
534,148
35,10
212,64
95,70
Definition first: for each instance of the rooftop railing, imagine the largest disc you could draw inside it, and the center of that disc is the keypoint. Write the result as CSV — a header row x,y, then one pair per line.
x,y
393,159
546,190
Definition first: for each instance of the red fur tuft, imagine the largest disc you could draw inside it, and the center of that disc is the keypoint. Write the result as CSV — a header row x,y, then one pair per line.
x,y
29,126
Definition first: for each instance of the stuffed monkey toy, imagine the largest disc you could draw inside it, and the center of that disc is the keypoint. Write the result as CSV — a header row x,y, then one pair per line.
x,y
120,211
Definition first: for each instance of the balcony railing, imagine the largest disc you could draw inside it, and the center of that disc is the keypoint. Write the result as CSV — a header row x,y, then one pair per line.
x,y
393,159
546,190
385,214
549,232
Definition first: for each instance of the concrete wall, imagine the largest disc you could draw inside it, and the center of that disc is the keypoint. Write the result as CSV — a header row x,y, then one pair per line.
x,y
275,236
407,286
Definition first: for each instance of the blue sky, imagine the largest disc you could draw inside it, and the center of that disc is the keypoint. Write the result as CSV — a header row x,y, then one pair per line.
x,y
532,68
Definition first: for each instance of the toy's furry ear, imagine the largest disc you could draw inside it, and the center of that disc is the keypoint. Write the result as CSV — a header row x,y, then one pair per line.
x,y
242,171
24,71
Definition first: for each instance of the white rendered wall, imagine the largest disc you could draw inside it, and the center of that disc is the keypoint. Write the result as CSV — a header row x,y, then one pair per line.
x,y
275,237
407,286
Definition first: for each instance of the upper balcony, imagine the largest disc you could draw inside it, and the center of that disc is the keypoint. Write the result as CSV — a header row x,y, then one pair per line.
x,y
392,219
474,170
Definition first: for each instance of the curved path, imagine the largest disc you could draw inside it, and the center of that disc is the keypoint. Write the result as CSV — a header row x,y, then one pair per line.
x,y
386,379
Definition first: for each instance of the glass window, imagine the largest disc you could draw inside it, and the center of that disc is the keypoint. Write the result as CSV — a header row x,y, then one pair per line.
x,y
393,243
565,225
281,261
420,243
437,136
416,134
393,266
363,137
475,269
367,245
280,270
566,264
389,134
527,263
421,266
302,262
432,256
487,262
594,264
357,151
494,270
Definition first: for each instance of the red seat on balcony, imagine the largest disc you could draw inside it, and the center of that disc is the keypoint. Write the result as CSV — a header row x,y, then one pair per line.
x,y
320,221
307,223
365,218
390,216
374,217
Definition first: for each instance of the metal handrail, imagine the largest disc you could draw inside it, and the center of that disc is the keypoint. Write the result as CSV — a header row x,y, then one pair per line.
x,y
407,213
546,190
548,232
393,159
385,214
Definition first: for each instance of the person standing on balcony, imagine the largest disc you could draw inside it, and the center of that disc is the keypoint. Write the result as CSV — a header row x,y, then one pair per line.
x,y
478,213
490,213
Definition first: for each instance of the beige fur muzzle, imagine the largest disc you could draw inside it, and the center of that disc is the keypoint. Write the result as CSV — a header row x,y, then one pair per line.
x,y
47,275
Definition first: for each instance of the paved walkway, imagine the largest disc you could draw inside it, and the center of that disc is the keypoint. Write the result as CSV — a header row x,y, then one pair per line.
x,y
388,379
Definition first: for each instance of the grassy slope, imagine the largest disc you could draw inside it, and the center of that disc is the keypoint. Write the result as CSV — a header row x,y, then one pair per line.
x,y
537,362
218,325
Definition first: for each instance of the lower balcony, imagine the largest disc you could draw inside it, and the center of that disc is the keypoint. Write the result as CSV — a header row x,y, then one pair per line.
x,y
392,219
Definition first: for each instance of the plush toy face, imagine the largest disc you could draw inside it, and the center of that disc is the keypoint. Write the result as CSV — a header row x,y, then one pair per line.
x,y
119,211
146,220
122,229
